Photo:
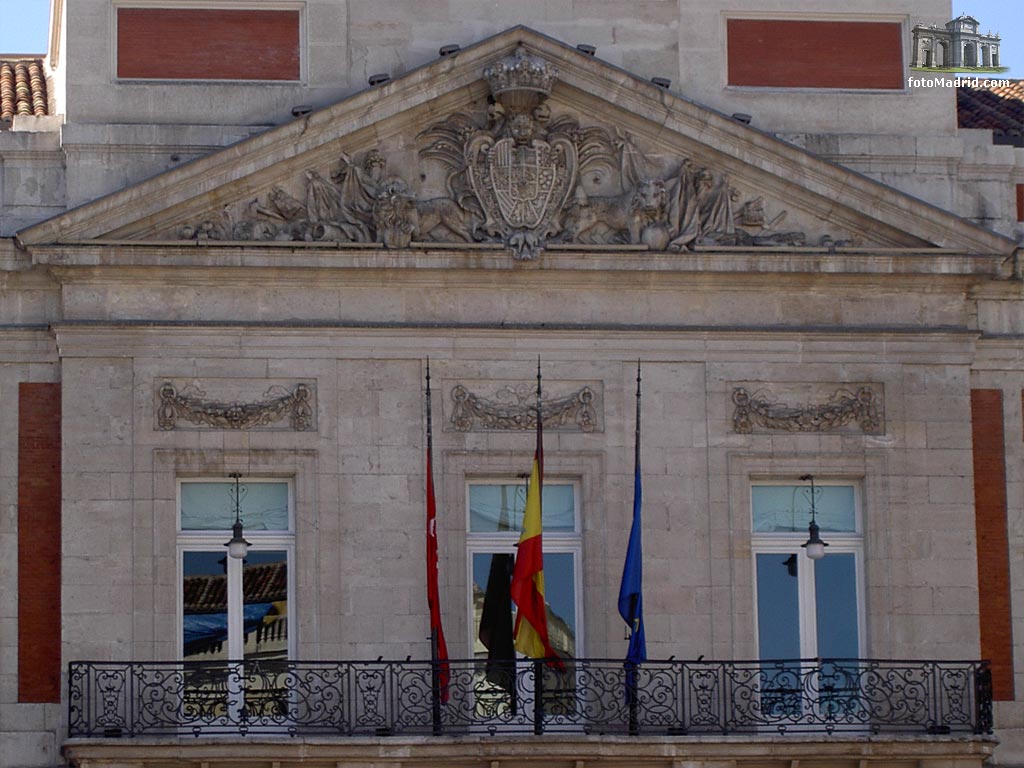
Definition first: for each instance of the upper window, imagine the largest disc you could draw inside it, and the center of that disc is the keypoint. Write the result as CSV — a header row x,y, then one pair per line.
x,y
495,522
786,508
807,608
209,505
189,43
235,609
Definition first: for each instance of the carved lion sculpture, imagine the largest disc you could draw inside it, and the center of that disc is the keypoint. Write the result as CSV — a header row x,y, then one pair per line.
x,y
395,217
438,212
399,218
640,215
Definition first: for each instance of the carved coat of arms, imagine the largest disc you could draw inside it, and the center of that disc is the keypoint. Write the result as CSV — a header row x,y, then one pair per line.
x,y
522,182
515,175
522,175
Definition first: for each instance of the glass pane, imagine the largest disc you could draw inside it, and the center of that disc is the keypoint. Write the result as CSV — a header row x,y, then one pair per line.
x,y
500,507
494,687
211,506
265,599
491,576
787,508
835,584
778,606
204,593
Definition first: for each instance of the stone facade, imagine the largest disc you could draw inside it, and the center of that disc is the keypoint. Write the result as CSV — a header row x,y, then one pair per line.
x,y
268,309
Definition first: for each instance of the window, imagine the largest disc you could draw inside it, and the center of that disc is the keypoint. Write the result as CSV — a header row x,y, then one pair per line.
x,y
807,608
495,513
234,609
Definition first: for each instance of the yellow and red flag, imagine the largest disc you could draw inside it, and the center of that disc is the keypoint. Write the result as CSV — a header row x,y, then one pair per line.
x,y
531,630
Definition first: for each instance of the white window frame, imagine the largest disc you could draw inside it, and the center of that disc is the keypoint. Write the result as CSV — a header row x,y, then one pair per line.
x,y
213,541
555,542
790,542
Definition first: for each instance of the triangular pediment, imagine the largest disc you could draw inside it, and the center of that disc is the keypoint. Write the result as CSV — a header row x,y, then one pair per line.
x,y
521,142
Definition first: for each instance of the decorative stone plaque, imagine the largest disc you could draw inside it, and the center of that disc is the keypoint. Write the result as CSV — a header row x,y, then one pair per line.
x,y
808,408
514,407
228,404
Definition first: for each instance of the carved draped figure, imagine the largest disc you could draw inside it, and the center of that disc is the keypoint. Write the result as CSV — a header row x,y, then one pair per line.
x,y
684,211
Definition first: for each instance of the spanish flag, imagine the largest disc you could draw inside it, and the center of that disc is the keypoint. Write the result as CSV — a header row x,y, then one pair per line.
x,y
531,630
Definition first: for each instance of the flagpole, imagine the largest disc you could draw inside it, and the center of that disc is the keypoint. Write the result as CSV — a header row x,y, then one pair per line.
x,y
538,664
636,464
631,682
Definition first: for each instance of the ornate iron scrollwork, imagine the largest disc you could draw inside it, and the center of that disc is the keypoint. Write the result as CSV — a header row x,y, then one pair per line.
x,y
946,699
843,407
513,408
192,406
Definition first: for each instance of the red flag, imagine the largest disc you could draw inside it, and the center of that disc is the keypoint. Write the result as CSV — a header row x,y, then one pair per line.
x,y
439,649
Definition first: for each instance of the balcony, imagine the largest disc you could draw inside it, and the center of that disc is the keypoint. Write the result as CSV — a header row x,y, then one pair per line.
x,y
865,697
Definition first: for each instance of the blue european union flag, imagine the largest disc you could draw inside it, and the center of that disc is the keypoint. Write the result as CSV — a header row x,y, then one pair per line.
x,y
631,603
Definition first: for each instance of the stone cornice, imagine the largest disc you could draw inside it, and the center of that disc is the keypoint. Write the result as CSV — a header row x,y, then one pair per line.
x,y
607,751
868,346
109,258
27,344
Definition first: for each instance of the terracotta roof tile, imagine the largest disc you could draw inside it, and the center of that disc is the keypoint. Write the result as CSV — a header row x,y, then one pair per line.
x,y
22,88
999,109
265,583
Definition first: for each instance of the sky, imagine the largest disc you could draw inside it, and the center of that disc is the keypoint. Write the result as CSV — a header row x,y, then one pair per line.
x,y
24,26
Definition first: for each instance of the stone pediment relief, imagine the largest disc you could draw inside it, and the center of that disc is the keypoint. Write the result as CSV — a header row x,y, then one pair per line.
x,y
518,172
518,142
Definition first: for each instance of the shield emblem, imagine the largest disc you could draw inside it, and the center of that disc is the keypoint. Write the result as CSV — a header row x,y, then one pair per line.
x,y
522,186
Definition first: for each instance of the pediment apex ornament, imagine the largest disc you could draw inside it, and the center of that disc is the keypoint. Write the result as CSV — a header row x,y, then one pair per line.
x,y
521,80
515,174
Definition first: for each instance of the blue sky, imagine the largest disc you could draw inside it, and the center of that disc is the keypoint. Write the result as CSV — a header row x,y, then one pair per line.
x,y
24,26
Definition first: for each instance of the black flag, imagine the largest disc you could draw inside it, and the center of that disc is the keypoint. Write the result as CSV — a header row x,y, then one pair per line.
x,y
496,626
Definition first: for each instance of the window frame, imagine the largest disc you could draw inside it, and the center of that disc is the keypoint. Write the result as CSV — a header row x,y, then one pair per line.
x,y
212,541
840,542
555,542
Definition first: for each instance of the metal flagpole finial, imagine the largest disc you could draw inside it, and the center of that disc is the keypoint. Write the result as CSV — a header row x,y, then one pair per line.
x,y
430,435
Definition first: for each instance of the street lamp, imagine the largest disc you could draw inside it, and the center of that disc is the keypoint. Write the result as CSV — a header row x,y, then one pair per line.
x,y
238,547
814,546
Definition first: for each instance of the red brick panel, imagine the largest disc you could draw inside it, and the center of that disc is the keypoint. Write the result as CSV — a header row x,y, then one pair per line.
x,y
815,54
197,44
39,551
993,542
1020,202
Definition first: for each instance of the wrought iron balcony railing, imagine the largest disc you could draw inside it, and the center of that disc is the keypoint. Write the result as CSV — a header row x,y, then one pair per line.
x,y
589,696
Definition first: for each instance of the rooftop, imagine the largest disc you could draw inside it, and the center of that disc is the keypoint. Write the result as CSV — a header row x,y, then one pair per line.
x,y
996,108
22,88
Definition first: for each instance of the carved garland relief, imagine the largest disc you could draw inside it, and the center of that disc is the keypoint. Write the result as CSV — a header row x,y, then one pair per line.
x,y
514,176
515,408
765,412
191,404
